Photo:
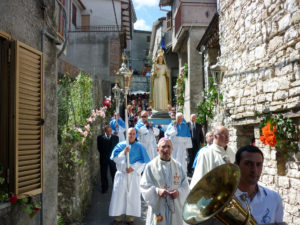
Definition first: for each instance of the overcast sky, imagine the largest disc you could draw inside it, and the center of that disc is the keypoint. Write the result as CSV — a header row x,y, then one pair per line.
x,y
147,12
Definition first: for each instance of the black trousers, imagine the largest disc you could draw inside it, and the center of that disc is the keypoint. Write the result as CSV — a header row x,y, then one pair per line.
x,y
104,165
192,152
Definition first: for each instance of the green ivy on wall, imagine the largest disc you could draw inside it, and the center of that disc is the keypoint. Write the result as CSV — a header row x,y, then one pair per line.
x,y
205,109
76,117
180,84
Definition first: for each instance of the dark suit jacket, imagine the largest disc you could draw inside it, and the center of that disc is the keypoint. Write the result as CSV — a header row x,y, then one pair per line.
x,y
197,135
105,145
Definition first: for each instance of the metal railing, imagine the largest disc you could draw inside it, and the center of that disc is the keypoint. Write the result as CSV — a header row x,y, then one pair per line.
x,y
100,28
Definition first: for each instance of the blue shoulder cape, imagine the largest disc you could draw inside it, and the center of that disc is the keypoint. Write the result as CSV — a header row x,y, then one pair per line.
x,y
196,157
114,122
182,129
137,152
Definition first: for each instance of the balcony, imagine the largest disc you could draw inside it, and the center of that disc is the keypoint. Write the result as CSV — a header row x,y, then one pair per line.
x,y
194,14
102,28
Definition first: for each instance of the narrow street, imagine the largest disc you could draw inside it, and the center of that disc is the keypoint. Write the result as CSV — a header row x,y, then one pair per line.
x,y
98,210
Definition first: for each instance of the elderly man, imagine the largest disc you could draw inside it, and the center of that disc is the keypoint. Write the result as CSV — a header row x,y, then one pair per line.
x,y
180,136
146,134
266,205
197,140
209,138
118,127
105,144
164,187
215,155
126,197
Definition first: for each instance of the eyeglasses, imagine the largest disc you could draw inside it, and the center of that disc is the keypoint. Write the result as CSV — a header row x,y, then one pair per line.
x,y
144,116
223,135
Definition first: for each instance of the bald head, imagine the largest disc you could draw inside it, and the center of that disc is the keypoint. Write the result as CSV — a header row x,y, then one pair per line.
x,y
131,135
221,136
144,115
193,118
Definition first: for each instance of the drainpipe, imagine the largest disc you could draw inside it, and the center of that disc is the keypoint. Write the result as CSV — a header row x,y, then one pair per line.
x,y
57,41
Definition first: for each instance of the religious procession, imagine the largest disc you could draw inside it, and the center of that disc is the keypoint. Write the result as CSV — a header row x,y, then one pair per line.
x,y
150,112
182,174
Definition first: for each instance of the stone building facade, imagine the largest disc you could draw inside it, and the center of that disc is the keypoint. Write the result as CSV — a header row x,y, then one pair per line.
x,y
259,45
188,20
24,21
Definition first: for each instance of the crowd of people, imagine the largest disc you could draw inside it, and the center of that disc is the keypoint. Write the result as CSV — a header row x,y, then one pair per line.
x,y
158,170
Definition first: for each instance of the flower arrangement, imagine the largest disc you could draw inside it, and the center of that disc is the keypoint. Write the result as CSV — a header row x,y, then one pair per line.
x,y
107,102
279,131
29,205
78,137
180,84
268,134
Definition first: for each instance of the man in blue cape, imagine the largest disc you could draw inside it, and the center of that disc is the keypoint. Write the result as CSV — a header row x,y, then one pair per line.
x,y
126,195
180,136
118,127
146,135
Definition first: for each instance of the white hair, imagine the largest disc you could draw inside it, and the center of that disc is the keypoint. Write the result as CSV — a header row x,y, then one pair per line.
x,y
179,114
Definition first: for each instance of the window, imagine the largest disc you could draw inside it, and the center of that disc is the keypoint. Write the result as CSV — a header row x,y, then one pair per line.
x,y
85,22
21,120
148,38
147,52
74,14
61,19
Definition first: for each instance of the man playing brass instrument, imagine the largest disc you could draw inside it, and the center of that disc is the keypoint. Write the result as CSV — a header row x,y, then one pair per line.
x,y
266,205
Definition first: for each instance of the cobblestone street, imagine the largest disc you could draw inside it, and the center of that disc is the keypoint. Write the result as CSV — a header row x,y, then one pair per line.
x,y
98,210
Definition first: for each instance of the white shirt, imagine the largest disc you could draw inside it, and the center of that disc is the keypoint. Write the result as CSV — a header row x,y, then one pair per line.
x,y
266,206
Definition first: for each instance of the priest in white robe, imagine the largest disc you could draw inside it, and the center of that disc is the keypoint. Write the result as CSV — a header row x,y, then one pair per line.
x,y
215,155
126,197
164,187
146,134
118,127
180,136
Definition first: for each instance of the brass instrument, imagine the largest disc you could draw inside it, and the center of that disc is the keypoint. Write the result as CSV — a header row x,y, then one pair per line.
x,y
213,196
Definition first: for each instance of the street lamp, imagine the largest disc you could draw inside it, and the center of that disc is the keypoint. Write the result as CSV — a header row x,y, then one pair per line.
x,y
218,72
126,74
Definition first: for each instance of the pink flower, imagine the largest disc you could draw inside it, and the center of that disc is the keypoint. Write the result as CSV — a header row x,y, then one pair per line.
x,y
89,120
85,133
87,127
83,140
79,130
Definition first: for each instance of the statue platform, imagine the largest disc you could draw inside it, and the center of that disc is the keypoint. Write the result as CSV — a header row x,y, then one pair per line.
x,y
160,118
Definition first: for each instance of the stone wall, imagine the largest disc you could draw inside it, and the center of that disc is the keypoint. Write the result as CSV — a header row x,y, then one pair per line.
x,y
260,46
75,184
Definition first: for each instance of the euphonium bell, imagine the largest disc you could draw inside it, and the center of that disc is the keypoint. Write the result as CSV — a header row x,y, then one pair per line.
x,y
213,196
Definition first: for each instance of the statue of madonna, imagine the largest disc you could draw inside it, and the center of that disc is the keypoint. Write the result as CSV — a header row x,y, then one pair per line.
x,y
160,95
